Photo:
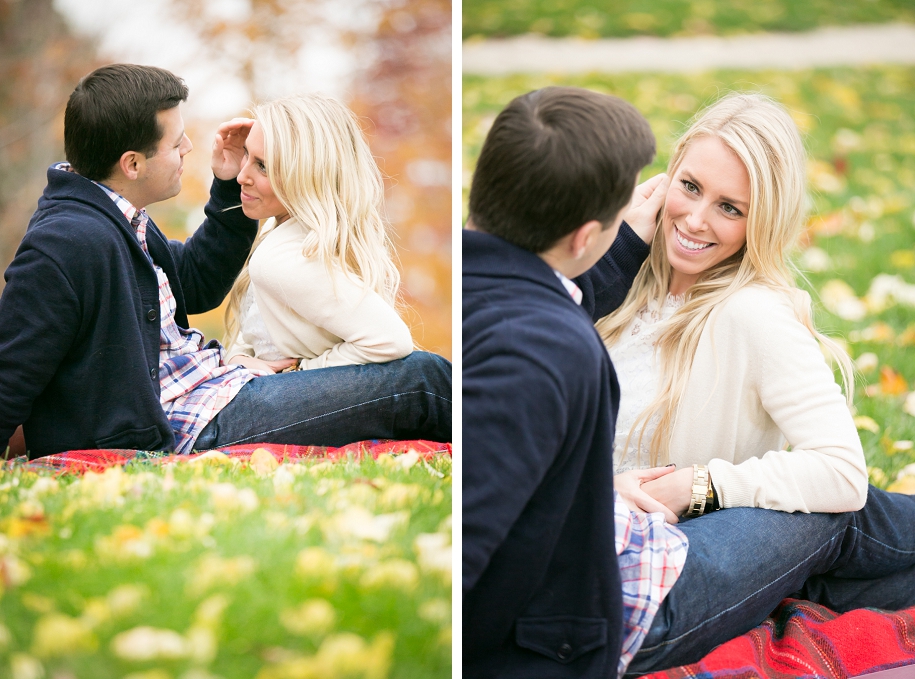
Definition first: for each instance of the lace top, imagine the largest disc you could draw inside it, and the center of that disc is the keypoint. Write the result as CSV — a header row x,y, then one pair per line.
x,y
254,332
635,362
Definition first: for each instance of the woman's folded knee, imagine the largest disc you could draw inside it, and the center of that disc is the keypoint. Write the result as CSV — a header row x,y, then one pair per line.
x,y
431,371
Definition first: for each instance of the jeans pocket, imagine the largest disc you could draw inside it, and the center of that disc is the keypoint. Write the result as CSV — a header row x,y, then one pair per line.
x,y
563,638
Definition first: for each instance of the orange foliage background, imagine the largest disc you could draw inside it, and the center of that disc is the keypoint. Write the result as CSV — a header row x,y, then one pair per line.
x,y
404,98
402,91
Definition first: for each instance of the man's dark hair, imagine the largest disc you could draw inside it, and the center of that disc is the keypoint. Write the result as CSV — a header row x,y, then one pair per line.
x,y
112,111
555,159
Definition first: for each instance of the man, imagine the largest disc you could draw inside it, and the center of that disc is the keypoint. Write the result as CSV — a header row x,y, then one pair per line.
x,y
540,573
560,578
95,349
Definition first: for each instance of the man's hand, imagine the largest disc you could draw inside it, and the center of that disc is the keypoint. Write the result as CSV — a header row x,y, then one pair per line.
x,y
673,491
647,199
257,364
229,147
630,487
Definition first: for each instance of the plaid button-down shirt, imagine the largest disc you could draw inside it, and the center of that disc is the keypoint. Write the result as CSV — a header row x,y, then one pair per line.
x,y
194,381
651,554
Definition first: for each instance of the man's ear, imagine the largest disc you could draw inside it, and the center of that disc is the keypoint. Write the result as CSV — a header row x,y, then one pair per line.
x,y
583,237
132,164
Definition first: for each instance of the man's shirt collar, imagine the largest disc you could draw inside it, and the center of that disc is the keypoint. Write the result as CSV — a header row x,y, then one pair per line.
x,y
133,214
570,287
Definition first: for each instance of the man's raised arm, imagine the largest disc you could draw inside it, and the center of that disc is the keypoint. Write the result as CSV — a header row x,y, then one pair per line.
x,y
605,286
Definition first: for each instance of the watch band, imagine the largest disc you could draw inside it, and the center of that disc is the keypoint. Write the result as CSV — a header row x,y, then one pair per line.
x,y
700,491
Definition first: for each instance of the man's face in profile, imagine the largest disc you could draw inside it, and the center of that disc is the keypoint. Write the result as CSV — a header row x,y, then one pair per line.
x,y
162,177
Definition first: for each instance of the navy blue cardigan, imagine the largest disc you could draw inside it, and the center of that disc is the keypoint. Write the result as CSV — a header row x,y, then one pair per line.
x,y
79,317
541,581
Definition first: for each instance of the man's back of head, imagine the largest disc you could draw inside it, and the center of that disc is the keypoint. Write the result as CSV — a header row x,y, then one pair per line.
x,y
112,111
555,159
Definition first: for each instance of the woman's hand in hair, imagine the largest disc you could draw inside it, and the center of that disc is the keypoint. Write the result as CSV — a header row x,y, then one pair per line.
x,y
252,363
629,486
229,147
647,200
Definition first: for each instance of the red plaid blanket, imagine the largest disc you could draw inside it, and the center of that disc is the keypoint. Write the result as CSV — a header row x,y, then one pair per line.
x,y
77,461
801,639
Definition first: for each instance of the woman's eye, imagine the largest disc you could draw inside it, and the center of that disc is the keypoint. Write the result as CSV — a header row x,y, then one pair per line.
x,y
730,210
689,186
262,168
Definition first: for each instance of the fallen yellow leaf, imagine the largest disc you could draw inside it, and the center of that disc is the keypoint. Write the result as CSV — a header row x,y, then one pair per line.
x,y
875,332
839,298
906,337
866,423
903,259
825,225
18,528
905,484
877,476
212,457
909,405
891,382
262,462
867,362
58,634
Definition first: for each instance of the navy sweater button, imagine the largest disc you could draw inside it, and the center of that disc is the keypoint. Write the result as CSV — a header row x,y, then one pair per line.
x,y
151,314
153,373
564,651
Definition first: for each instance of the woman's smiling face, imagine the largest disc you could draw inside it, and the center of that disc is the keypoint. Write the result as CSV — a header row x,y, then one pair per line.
x,y
705,215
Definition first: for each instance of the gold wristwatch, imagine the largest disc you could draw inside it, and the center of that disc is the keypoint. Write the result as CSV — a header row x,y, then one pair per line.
x,y
701,492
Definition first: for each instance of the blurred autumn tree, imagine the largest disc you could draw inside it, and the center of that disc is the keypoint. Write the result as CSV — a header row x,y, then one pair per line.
x,y
407,93
403,93
40,62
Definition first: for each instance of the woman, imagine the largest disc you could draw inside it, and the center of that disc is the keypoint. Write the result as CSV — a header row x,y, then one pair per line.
x,y
318,292
718,363
320,286
717,355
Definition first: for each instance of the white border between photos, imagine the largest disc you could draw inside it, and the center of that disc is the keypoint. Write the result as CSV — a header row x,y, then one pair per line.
x,y
456,262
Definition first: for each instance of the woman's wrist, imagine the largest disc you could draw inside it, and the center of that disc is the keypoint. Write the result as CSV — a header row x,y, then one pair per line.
x,y
713,504
703,497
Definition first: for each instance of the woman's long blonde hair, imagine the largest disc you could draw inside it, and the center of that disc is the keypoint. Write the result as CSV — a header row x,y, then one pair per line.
x,y
322,171
763,135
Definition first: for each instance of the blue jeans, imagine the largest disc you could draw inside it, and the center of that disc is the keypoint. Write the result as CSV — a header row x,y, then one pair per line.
x,y
742,562
405,399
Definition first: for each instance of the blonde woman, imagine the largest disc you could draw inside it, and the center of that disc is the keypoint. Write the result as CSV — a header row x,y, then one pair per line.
x,y
718,359
720,367
320,286
316,298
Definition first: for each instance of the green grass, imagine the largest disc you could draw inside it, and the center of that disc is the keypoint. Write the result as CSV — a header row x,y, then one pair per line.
x,y
588,19
312,570
859,127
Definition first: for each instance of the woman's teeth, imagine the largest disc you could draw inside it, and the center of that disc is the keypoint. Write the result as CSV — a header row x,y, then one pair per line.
x,y
691,245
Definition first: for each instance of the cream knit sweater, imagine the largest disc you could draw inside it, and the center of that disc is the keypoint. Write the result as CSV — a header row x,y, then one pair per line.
x,y
759,378
326,320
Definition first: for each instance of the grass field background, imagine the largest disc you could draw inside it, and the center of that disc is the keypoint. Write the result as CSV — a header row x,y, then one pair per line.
x,y
624,18
219,569
857,253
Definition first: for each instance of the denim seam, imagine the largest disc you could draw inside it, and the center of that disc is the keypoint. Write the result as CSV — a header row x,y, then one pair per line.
x,y
882,544
739,603
333,412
